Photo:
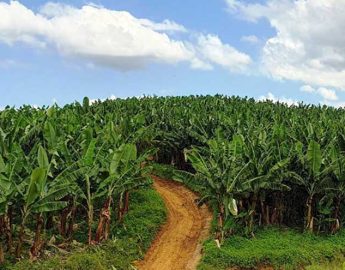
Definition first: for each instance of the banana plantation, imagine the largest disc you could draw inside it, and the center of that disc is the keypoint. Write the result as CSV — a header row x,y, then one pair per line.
x,y
71,170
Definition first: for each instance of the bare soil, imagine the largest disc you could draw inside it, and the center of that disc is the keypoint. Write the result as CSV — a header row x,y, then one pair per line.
x,y
178,245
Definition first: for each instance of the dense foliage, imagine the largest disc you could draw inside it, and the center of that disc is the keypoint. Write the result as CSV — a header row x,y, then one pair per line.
x,y
60,167
129,243
256,163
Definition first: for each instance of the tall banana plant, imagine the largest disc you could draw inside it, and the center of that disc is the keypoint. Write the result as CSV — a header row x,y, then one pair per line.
x,y
7,192
126,172
89,170
313,176
336,189
8,189
220,168
267,171
40,197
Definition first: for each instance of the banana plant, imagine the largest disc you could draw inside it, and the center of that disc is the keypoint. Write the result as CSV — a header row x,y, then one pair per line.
x,y
8,189
336,190
40,197
12,166
313,176
220,168
126,172
266,172
89,168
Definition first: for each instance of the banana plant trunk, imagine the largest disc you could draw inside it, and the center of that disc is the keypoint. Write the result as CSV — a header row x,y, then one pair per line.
x,y
2,224
20,239
38,243
120,208
103,227
252,215
63,221
71,220
220,223
336,223
126,204
90,222
280,210
2,254
310,218
8,228
89,209
264,212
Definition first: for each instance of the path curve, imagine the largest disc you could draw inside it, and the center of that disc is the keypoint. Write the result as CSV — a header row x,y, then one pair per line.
x,y
179,242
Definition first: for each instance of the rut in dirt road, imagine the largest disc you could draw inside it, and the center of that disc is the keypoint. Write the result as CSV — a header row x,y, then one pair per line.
x,y
178,244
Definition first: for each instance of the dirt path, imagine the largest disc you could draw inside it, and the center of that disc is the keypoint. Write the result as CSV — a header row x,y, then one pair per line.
x,y
178,244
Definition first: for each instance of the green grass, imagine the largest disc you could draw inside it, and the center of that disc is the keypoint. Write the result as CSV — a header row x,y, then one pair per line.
x,y
337,264
282,249
129,243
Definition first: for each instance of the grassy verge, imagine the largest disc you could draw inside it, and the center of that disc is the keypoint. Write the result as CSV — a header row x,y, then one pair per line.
x,y
129,243
281,249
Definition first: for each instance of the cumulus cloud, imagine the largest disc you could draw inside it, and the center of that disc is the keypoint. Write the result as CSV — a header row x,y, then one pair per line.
x,y
211,48
309,44
111,38
327,94
273,98
307,89
250,39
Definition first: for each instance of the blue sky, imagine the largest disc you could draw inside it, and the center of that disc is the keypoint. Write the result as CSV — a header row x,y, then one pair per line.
x,y
44,57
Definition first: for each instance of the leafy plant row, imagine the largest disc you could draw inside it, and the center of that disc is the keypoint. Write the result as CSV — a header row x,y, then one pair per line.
x,y
62,167
256,163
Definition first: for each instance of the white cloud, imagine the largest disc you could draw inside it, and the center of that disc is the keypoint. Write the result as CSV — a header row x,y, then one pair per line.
x,y
105,37
250,39
327,94
309,44
51,9
112,38
27,29
307,88
196,63
273,98
165,26
212,50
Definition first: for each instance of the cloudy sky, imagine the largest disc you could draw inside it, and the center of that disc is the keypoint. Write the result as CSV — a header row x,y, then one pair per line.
x,y
267,49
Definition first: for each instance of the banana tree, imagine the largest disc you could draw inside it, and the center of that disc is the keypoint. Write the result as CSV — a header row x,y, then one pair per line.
x,y
7,194
266,171
40,197
336,189
12,168
125,174
221,168
89,169
313,176
5,230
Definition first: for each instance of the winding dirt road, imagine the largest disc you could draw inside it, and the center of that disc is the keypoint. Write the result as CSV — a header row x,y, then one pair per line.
x,y
179,242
